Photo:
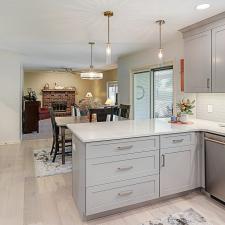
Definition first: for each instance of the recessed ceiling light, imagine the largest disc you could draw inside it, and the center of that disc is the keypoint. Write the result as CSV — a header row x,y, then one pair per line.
x,y
202,6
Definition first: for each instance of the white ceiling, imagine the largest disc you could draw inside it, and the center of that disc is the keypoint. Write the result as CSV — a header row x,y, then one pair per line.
x,y
55,33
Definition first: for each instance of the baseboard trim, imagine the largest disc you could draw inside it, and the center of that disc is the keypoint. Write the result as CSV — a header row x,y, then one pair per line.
x,y
10,142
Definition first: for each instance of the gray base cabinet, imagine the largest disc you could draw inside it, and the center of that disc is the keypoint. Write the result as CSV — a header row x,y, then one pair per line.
x,y
180,164
108,175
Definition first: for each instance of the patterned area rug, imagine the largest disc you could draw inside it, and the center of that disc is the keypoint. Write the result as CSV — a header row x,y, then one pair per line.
x,y
45,167
188,217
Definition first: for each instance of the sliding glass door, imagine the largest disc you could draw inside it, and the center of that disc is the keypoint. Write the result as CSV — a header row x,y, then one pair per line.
x,y
153,93
163,92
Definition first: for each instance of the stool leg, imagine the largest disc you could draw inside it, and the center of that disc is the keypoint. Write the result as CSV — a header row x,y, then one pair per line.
x,y
53,146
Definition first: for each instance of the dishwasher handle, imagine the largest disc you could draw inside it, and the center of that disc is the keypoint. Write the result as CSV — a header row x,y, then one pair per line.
x,y
215,141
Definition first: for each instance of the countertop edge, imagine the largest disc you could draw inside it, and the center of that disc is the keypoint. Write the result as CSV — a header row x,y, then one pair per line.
x,y
89,140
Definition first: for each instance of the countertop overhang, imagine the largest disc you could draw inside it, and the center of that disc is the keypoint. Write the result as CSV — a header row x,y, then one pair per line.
x,y
93,132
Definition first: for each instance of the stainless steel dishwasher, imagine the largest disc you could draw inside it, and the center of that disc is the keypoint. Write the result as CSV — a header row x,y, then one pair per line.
x,y
215,165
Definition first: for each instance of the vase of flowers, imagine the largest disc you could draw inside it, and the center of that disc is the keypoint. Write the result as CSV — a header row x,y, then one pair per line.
x,y
185,109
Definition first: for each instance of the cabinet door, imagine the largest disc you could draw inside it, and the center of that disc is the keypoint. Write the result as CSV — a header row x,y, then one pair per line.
x,y
218,59
179,170
197,64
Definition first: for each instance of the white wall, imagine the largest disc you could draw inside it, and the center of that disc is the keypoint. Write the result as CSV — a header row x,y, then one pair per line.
x,y
218,103
173,51
10,97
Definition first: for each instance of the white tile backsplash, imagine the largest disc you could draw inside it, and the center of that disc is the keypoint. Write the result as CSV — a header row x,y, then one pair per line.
x,y
216,101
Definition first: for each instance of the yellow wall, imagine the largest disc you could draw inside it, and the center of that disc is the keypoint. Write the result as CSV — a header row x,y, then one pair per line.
x,y
37,79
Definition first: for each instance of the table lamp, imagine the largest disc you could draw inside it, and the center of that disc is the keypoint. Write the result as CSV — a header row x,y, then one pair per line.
x,y
89,95
109,102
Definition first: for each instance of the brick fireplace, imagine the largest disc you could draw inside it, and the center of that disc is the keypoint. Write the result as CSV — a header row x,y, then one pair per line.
x,y
61,100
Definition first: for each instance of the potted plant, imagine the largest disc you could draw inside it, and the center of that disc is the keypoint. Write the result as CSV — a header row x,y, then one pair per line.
x,y
185,109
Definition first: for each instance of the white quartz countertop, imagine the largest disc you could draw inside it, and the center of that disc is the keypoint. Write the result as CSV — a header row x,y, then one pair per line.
x,y
91,132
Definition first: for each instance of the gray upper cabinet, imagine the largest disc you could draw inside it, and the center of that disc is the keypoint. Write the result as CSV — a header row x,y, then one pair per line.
x,y
218,59
204,56
197,65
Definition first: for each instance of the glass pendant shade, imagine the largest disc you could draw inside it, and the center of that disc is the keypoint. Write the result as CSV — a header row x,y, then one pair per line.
x,y
160,23
108,14
91,75
160,54
108,53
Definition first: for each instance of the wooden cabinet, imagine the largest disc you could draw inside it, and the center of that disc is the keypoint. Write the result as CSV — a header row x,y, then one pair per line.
x,y
197,75
179,166
218,59
31,116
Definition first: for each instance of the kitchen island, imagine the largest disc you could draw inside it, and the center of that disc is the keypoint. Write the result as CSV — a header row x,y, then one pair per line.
x,y
122,164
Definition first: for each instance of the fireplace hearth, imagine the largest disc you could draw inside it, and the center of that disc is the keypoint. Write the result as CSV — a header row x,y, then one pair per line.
x,y
59,106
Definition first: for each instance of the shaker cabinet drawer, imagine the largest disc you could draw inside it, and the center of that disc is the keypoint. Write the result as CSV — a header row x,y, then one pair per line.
x,y
121,147
177,140
120,194
116,168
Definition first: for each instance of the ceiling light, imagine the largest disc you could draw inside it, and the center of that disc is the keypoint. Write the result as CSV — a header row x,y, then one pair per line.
x,y
160,22
108,44
91,74
202,6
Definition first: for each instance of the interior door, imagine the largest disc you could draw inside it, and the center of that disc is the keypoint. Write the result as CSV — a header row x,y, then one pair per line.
x,y
177,170
197,64
218,59
142,96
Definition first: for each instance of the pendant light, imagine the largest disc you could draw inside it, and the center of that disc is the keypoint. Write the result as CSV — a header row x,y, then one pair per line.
x,y
108,44
91,74
160,22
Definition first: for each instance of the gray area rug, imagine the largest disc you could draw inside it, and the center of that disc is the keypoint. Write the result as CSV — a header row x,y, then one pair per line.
x,y
45,167
188,217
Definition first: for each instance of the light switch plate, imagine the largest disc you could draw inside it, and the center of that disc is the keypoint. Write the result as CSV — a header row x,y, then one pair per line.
x,y
210,108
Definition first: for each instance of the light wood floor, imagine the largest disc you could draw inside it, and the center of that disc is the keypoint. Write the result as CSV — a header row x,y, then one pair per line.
x,y
26,200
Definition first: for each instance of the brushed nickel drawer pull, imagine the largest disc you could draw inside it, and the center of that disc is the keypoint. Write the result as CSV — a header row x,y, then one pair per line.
x,y
163,160
124,147
215,141
124,193
208,83
178,141
125,168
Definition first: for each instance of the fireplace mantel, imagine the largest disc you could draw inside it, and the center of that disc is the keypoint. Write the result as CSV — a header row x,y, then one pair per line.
x,y
58,90
50,96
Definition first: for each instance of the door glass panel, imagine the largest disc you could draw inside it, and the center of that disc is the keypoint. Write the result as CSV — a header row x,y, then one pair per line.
x,y
163,93
142,98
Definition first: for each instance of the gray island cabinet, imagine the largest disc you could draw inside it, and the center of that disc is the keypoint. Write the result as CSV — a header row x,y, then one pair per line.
x,y
117,174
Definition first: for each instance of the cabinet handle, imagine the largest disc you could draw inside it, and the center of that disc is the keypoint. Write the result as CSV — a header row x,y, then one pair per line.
x,y
208,83
178,141
125,168
124,147
163,160
124,193
215,141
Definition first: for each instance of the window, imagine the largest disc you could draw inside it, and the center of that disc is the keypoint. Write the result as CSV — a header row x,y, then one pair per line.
x,y
153,93
112,91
